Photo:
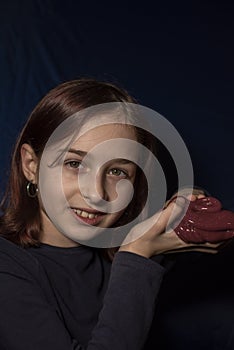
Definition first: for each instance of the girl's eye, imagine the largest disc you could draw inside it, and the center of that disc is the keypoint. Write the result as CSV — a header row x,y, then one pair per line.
x,y
117,172
74,164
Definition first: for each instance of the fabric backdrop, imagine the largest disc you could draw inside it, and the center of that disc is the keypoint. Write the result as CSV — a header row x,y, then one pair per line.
x,y
176,58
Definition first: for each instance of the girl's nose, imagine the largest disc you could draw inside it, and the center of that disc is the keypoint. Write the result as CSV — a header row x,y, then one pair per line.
x,y
103,196
92,187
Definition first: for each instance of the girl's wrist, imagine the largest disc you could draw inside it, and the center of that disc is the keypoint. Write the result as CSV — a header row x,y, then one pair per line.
x,y
136,249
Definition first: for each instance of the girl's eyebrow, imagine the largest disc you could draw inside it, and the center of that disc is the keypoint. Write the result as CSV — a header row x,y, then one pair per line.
x,y
123,161
64,151
83,154
78,152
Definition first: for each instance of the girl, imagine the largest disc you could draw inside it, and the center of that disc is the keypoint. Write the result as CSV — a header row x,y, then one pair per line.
x,y
56,293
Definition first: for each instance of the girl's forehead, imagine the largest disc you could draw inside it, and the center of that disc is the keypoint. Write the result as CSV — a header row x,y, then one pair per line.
x,y
105,132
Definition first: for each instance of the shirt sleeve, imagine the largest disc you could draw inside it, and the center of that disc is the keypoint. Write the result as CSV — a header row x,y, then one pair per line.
x,y
29,322
129,303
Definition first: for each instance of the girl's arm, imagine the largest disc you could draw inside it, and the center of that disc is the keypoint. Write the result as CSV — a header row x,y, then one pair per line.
x,y
29,321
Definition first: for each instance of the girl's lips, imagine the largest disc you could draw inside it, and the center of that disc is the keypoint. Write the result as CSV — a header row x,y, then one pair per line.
x,y
88,216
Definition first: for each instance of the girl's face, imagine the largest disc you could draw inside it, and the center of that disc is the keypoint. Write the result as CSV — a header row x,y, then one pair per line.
x,y
98,180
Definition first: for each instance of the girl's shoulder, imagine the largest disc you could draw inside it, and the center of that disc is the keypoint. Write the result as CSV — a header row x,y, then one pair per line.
x,y
17,260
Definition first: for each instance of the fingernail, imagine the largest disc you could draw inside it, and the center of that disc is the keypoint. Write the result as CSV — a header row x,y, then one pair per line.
x,y
181,201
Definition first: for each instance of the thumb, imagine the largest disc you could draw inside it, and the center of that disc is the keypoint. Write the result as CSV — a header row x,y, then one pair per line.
x,y
175,212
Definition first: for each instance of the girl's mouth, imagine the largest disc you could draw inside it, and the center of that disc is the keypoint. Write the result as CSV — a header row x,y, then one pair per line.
x,y
88,216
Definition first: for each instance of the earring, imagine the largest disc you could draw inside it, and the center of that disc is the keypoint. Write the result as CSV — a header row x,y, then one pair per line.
x,y
31,189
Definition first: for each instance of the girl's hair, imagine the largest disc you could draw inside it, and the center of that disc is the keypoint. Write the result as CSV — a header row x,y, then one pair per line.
x,y
21,220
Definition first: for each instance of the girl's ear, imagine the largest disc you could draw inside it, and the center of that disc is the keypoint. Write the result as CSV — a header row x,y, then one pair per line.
x,y
29,163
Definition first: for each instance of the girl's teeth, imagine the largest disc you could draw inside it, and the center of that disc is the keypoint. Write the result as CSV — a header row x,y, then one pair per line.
x,y
85,214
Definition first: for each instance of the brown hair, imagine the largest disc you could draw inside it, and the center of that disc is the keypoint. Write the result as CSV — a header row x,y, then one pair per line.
x,y
21,221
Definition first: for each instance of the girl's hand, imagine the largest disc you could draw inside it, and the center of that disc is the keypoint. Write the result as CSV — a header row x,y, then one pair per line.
x,y
195,194
156,239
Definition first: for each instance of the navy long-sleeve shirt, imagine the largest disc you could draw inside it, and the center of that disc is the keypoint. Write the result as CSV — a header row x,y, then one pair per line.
x,y
73,299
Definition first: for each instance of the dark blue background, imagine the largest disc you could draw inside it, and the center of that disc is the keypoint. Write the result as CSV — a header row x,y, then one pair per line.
x,y
174,57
